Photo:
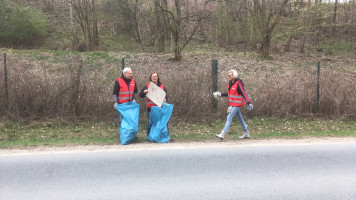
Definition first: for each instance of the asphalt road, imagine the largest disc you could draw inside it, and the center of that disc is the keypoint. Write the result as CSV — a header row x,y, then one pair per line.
x,y
324,171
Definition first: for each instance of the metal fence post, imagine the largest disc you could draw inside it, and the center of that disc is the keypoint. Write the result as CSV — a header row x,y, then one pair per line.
x,y
5,81
318,89
214,77
123,63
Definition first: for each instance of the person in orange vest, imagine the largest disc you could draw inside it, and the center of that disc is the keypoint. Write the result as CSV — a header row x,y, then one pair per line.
x,y
237,98
154,77
125,89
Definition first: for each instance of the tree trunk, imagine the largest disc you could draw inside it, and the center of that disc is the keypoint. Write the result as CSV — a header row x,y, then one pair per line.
x,y
227,33
265,46
95,25
177,53
159,28
334,18
137,24
75,41
351,25
177,50
86,24
289,42
302,45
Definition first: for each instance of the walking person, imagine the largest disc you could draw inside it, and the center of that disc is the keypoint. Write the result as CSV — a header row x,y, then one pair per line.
x,y
154,77
125,89
237,98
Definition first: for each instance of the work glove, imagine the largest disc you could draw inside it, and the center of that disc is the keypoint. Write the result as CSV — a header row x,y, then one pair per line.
x,y
229,109
216,95
250,106
133,100
115,105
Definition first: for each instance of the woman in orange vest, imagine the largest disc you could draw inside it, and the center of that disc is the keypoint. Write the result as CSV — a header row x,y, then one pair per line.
x,y
125,89
154,77
237,98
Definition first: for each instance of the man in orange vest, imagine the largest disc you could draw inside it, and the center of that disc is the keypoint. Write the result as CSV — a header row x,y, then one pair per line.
x,y
154,77
125,89
237,98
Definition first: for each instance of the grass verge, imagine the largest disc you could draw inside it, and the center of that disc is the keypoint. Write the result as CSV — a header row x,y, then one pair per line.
x,y
53,133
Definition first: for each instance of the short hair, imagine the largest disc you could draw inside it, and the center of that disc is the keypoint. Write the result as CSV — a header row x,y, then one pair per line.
x,y
126,69
157,76
234,73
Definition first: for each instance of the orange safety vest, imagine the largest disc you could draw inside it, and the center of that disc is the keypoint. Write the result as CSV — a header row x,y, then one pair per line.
x,y
235,99
149,103
125,94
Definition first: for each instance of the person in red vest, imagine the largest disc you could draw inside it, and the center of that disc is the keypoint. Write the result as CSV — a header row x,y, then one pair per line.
x,y
125,89
237,98
154,77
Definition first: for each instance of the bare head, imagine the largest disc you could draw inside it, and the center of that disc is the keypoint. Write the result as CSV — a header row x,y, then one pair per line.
x,y
232,74
127,72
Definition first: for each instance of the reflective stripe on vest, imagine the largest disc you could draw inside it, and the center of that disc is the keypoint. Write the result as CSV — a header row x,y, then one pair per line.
x,y
125,94
235,99
149,103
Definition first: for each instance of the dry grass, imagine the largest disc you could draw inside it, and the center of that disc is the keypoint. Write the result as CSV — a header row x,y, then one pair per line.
x,y
42,84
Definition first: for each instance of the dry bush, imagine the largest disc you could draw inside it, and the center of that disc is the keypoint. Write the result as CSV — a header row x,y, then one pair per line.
x,y
38,90
296,95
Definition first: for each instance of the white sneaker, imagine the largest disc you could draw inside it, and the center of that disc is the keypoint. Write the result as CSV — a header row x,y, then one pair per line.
x,y
245,135
221,135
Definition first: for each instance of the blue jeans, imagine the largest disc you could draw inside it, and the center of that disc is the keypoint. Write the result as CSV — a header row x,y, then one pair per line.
x,y
149,122
235,111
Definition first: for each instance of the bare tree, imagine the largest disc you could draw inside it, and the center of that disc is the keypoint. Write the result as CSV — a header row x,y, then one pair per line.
x,y
334,17
131,8
270,16
75,40
160,26
177,21
86,17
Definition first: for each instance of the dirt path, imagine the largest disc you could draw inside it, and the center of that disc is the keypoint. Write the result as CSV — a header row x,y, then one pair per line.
x,y
177,145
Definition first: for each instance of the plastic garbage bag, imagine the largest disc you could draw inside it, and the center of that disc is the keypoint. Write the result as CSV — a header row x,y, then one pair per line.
x,y
160,117
129,125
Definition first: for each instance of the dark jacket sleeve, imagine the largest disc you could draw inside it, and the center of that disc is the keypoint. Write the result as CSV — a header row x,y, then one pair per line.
x,y
224,94
136,90
240,90
115,91
116,88
142,94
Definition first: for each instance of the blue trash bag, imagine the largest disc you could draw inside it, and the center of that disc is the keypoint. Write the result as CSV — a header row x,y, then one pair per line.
x,y
129,125
160,117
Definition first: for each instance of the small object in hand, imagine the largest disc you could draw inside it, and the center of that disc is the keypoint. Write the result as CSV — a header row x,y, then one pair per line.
x,y
229,109
217,94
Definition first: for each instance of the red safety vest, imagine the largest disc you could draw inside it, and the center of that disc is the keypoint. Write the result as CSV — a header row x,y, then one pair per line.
x,y
235,99
125,94
149,103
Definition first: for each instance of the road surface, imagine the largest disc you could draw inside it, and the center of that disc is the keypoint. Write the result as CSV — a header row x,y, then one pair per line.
x,y
309,171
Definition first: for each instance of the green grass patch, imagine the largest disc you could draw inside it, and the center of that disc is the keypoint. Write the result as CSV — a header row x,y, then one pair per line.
x,y
24,134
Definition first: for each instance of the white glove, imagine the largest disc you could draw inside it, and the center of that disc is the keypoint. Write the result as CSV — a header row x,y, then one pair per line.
x,y
229,109
115,105
250,107
216,95
133,100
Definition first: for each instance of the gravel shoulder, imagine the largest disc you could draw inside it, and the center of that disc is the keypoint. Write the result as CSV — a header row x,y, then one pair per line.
x,y
177,145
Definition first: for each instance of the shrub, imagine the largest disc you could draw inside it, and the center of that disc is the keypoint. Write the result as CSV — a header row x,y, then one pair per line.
x,y
21,26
